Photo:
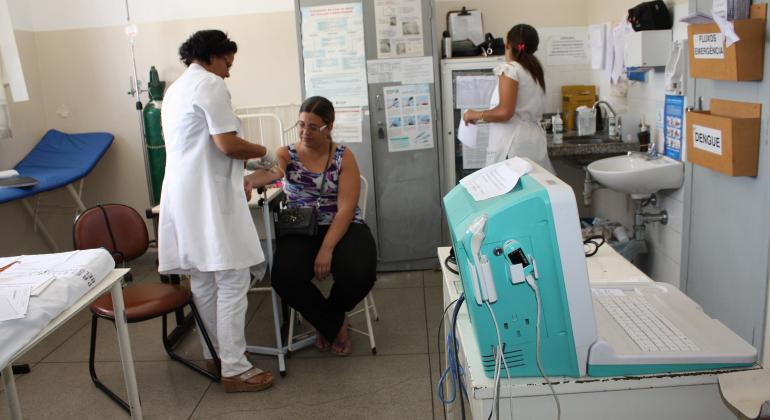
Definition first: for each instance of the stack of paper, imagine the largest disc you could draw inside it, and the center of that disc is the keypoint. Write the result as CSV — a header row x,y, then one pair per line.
x,y
13,302
36,280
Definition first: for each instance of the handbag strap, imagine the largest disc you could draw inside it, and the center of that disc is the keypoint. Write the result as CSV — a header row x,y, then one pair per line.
x,y
323,176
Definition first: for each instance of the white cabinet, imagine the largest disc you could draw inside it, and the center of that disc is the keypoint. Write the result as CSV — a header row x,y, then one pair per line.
x,y
454,165
647,48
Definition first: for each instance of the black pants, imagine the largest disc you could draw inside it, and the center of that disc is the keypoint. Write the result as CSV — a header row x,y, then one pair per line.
x,y
354,264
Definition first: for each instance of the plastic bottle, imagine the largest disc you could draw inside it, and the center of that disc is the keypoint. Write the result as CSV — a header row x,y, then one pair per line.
x,y
643,136
612,128
447,44
557,125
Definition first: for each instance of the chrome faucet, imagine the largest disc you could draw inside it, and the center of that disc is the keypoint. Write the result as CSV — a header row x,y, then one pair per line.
x,y
651,153
609,107
613,116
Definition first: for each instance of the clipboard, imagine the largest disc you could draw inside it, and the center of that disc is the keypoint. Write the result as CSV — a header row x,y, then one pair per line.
x,y
18,182
465,24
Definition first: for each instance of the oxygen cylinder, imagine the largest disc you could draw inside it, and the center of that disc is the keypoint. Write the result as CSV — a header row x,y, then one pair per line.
x,y
153,134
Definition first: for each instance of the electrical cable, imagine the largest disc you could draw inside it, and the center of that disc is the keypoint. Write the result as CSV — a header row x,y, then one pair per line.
x,y
445,372
533,285
592,240
459,303
439,386
451,259
500,361
453,370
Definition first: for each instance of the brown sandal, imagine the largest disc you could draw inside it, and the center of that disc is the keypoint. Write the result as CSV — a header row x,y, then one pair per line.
x,y
250,381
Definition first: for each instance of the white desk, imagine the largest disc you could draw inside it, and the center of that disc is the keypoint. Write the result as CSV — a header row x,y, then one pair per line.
x,y
111,283
668,396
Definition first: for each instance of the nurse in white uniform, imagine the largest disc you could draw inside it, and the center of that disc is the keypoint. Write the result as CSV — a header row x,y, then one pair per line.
x,y
517,103
205,227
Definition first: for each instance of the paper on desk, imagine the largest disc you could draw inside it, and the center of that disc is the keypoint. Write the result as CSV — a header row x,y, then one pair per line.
x,y
36,280
495,180
13,302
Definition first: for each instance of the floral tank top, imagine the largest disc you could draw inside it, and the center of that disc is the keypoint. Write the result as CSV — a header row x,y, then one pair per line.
x,y
302,187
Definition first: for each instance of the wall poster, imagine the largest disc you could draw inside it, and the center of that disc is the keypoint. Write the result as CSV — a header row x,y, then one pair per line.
x,y
408,115
333,53
399,28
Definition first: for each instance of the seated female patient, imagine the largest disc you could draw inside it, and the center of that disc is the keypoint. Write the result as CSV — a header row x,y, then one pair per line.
x,y
320,172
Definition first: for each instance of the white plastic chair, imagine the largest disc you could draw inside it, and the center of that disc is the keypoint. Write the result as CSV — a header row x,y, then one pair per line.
x,y
306,338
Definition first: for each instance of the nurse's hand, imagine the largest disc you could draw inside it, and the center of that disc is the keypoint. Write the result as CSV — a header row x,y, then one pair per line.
x,y
247,188
468,117
323,263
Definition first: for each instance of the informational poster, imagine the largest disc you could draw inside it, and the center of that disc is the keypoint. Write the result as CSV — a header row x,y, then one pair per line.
x,y
673,126
408,71
568,49
333,53
348,127
399,28
408,115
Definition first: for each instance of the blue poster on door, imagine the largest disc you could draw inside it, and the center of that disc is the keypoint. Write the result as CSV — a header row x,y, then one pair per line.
x,y
673,126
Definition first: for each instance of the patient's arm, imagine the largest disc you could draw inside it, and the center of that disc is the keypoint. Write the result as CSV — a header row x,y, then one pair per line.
x,y
261,177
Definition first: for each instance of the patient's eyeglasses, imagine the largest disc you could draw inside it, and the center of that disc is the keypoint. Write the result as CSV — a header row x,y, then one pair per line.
x,y
309,127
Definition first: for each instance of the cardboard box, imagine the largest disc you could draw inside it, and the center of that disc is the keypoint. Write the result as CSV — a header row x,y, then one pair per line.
x,y
725,139
744,60
574,96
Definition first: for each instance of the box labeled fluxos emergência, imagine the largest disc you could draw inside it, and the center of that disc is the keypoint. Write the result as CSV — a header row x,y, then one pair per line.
x,y
726,138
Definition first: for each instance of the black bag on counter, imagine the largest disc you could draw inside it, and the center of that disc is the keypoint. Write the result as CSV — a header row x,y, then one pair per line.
x,y
492,46
649,16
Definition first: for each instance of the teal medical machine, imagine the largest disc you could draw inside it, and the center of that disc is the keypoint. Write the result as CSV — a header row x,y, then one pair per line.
x,y
525,247
503,243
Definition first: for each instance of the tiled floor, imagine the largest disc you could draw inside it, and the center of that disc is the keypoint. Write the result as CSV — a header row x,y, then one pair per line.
x,y
397,383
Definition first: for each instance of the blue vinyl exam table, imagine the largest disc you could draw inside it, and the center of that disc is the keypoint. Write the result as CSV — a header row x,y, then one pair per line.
x,y
58,160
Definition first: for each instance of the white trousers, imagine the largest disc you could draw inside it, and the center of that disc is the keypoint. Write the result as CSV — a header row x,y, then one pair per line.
x,y
221,300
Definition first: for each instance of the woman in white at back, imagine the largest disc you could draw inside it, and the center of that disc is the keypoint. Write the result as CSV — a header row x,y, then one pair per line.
x,y
517,103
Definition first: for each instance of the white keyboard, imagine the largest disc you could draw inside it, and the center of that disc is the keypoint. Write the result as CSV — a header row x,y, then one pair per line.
x,y
649,329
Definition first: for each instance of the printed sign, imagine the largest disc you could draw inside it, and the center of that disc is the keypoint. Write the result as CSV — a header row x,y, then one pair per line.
x,y
707,139
709,46
673,123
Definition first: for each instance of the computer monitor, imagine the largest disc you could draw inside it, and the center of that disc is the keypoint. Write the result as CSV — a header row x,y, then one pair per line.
x,y
531,232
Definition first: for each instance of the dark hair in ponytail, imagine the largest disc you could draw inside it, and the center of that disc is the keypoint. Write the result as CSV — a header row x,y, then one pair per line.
x,y
319,106
523,40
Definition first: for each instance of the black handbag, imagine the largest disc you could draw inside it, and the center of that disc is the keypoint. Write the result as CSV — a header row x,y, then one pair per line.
x,y
298,221
302,221
650,15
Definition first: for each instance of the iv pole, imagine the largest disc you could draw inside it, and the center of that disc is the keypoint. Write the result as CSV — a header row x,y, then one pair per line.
x,y
136,92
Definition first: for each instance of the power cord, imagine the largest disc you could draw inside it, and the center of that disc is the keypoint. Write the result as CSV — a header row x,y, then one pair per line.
x,y
451,259
596,241
453,368
499,361
531,282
